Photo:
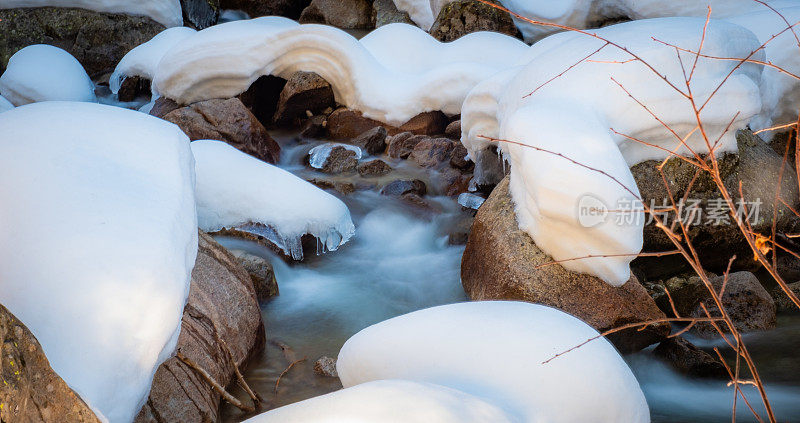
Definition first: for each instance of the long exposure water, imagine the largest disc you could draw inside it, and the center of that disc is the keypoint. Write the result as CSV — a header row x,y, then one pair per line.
x,y
400,261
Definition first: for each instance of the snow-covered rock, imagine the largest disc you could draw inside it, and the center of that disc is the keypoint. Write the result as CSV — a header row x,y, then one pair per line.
x,y
98,237
389,401
5,105
396,73
235,190
165,12
495,350
143,60
42,73
573,115
318,155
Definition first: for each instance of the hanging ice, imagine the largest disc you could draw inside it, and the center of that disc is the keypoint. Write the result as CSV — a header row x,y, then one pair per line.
x,y
238,190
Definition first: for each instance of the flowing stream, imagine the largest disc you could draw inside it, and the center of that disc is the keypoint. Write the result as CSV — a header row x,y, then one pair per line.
x,y
399,261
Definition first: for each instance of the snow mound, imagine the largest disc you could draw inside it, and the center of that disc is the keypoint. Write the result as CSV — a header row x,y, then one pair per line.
x,y
387,401
5,105
165,12
43,73
495,350
143,60
224,60
573,115
98,238
238,190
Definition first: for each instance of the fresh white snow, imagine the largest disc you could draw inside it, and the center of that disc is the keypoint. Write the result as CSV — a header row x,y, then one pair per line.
x,y
224,60
574,113
237,190
42,72
5,105
495,350
98,237
143,60
165,12
388,401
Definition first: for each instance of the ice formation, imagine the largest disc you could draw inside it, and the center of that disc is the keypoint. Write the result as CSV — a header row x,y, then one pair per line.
x,y
319,154
386,401
42,73
496,350
573,114
143,60
98,238
5,105
165,12
224,60
238,190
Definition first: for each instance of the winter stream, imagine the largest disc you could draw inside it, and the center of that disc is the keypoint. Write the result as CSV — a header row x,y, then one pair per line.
x,y
401,260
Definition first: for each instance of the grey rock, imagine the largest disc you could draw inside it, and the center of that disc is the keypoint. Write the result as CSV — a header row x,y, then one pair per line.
x,y
460,18
97,40
348,14
403,187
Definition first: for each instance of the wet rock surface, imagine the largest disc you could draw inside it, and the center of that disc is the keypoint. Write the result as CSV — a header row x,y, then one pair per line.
x,y
690,360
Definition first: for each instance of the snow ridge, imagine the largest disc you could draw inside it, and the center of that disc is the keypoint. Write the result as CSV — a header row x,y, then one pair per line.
x,y
224,60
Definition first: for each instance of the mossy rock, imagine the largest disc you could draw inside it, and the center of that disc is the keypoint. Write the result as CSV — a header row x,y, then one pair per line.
x,y
97,40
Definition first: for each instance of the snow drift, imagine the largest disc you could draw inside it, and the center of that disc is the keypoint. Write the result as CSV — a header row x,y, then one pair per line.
x,y
42,73
235,190
495,350
98,238
388,401
5,105
224,60
573,115
143,60
165,12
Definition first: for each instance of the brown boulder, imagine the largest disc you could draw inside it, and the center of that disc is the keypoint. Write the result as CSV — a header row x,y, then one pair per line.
x,y
348,14
345,123
453,130
460,18
132,87
221,306
261,273
432,151
31,391
334,159
375,167
229,121
304,91
373,141
500,261
402,145
459,158
748,304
